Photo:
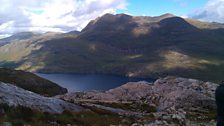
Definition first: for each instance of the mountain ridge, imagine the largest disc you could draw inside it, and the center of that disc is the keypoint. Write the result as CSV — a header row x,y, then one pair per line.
x,y
125,45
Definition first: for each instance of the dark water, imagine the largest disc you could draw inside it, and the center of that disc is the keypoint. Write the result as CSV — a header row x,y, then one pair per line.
x,y
86,82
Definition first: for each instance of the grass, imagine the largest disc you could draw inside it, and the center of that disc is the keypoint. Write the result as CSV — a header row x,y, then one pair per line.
x,y
135,107
21,115
31,82
198,116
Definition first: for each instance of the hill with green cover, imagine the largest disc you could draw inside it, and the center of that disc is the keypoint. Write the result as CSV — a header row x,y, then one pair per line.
x,y
126,45
31,82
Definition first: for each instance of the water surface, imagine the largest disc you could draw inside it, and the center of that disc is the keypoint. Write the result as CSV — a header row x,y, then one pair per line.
x,y
87,82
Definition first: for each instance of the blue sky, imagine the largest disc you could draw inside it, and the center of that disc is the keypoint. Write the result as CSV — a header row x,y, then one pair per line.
x,y
158,7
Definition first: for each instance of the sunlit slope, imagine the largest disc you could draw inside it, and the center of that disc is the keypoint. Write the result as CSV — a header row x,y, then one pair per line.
x,y
126,45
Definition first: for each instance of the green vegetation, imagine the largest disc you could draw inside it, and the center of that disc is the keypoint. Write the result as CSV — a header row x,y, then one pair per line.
x,y
94,116
201,116
135,107
31,82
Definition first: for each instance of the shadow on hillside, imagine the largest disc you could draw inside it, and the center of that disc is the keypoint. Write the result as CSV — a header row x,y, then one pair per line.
x,y
73,55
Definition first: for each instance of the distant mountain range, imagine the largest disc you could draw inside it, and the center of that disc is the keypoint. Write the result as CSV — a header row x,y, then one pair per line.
x,y
124,45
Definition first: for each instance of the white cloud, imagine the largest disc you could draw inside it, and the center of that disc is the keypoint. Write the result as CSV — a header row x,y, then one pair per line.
x,y
182,3
213,11
53,15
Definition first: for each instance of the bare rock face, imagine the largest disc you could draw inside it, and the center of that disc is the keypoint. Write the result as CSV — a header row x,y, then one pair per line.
x,y
131,91
165,93
178,100
14,96
184,93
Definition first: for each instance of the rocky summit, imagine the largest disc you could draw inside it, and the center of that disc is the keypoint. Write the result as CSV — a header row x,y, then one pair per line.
x,y
15,96
170,100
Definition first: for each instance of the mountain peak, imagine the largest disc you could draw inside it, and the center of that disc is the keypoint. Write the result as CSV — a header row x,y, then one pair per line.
x,y
125,17
103,21
168,15
115,15
164,16
112,17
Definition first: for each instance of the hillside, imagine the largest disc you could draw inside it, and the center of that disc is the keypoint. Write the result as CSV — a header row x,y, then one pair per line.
x,y
31,82
125,45
18,37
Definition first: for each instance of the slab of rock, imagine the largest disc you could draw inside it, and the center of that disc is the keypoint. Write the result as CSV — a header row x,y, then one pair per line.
x,y
179,101
131,91
165,93
184,93
14,96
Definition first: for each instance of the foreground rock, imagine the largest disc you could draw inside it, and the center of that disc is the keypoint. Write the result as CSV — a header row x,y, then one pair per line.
x,y
178,101
15,96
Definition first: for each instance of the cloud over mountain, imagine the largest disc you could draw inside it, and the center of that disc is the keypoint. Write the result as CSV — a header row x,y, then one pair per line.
x,y
212,11
52,15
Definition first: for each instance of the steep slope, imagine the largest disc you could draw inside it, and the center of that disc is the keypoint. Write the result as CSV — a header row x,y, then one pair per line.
x,y
18,37
126,45
31,82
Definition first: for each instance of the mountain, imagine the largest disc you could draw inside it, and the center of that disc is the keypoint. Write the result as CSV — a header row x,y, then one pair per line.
x,y
125,45
204,25
18,37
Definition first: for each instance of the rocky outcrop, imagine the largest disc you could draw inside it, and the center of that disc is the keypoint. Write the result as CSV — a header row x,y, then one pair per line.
x,y
184,93
178,101
168,101
165,93
132,91
15,96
